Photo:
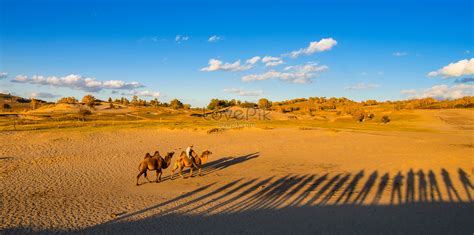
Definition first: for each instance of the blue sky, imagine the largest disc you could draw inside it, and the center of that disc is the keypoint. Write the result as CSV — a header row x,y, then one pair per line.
x,y
379,49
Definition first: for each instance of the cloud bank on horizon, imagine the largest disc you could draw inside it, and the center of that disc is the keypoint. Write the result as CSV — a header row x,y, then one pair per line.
x,y
79,82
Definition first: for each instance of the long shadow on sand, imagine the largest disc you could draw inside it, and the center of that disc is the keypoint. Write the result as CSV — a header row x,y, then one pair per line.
x,y
312,204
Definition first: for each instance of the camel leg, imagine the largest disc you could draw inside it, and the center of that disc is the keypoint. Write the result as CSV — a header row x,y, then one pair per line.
x,y
172,172
158,175
191,171
181,172
146,177
200,171
138,176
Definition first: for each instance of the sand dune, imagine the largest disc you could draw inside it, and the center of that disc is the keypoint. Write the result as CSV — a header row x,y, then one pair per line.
x,y
280,180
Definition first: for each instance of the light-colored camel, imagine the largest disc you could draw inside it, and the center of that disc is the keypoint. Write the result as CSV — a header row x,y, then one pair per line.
x,y
154,163
183,161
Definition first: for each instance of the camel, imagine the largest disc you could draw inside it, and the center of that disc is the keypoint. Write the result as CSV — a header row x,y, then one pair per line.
x,y
154,163
183,161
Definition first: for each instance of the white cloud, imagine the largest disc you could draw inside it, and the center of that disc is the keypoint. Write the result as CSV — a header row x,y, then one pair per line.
x,y
271,61
180,38
314,47
400,53
214,38
241,92
43,95
361,86
264,76
3,75
253,60
274,63
457,69
269,58
78,82
442,92
215,65
293,74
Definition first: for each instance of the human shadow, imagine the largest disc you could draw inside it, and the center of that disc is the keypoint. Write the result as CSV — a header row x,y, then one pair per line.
x,y
347,193
366,189
397,188
449,185
435,193
381,188
468,187
422,191
410,187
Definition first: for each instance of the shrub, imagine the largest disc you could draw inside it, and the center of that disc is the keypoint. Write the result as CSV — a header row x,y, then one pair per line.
x,y
176,104
248,105
360,117
67,100
264,103
219,104
88,100
385,119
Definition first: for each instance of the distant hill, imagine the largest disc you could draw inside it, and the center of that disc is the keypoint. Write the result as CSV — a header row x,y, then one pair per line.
x,y
10,103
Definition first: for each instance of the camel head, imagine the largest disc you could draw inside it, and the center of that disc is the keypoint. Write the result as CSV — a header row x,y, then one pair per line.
x,y
169,155
204,156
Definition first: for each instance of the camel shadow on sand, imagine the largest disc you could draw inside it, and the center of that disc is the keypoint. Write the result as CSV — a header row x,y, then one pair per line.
x,y
418,201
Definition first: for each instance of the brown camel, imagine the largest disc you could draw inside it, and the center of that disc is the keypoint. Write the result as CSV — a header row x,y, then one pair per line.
x,y
154,163
184,161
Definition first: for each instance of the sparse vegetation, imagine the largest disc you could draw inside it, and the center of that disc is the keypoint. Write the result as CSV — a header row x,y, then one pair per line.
x,y
89,100
83,113
264,103
312,112
6,107
385,119
176,104
67,100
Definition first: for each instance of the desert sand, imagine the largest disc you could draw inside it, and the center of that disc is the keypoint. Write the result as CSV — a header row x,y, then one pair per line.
x,y
282,180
